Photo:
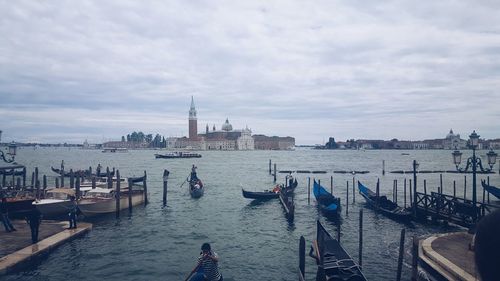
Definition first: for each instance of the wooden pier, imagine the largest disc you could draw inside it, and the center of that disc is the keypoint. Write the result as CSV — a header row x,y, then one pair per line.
x,y
17,250
456,210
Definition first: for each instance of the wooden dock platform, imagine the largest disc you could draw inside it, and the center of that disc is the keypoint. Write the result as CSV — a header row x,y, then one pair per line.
x,y
17,250
449,256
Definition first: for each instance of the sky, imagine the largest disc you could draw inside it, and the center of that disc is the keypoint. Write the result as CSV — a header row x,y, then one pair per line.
x,y
98,70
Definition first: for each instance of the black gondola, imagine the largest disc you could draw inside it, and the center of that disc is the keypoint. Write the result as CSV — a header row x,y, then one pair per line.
x,y
334,263
196,188
269,194
384,205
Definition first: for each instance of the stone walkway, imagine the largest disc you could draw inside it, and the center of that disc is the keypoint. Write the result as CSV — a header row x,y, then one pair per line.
x,y
449,255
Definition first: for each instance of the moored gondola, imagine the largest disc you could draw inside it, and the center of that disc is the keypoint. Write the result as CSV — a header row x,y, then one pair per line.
x,y
326,201
334,263
495,191
384,205
273,193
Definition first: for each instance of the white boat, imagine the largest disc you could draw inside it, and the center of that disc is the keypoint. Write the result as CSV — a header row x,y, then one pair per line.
x,y
113,150
102,201
56,202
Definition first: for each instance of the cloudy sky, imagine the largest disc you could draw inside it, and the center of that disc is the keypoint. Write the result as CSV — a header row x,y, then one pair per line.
x,y
97,70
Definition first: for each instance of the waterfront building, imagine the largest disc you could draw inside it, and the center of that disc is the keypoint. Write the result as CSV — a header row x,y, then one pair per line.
x,y
227,138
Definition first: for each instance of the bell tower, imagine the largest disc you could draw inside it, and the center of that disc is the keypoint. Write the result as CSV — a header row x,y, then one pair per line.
x,y
193,122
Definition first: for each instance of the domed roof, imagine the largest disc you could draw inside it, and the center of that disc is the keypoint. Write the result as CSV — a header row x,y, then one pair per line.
x,y
226,126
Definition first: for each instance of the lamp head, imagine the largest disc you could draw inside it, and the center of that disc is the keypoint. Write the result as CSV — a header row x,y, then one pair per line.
x,y
474,139
457,157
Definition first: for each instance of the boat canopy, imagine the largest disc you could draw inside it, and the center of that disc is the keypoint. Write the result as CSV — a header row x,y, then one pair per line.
x,y
67,191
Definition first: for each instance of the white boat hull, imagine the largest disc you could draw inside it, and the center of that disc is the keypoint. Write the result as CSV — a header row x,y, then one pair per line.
x,y
97,206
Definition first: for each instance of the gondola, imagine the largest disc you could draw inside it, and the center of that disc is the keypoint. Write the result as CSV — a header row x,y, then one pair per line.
x,y
384,205
327,202
262,195
75,173
270,194
334,263
495,191
196,188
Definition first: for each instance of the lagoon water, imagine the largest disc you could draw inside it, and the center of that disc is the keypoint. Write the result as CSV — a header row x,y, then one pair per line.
x,y
254,240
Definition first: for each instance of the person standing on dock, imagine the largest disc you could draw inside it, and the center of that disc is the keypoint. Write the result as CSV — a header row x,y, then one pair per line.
x,y
34,218
209,262
4,212
73,213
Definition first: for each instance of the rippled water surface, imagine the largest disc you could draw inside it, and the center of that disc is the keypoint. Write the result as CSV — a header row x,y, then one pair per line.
x,y
253,239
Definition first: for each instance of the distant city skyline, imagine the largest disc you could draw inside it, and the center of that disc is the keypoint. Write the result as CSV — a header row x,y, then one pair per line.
x,y
310,70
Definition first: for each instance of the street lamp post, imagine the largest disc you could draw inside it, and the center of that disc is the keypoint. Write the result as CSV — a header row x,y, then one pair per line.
x,y
474,162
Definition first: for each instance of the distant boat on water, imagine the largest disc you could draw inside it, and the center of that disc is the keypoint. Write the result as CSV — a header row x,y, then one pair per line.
x,y
113,150
178,154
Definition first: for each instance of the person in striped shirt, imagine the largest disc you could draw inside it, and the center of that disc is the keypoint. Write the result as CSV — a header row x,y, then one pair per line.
x,y
209,263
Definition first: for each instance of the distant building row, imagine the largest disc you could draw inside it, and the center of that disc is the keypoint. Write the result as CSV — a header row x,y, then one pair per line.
x,y
451,141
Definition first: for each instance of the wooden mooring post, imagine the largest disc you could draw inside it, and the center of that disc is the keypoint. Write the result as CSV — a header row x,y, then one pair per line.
x,y
353,190
269,166
32,180
145,188
404,192
117,193
360,245
77,188
57,182
411,197
347,199
308,190
401,254
440,183
302,256
94,184
396,191
71,179
165,185
488,192
24,177
130,196
383,167
331,185
274,172
44,182
414,259
465,187
37,186
454,189
18,183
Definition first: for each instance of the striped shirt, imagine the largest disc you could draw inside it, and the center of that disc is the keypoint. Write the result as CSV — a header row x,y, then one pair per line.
x,y
210,268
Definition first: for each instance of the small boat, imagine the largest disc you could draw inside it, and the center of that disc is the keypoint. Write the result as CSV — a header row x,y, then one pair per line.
x,y
56,203
384,205
327,202
273,193
495,191
334,263
196,188
262,195
100,201
68,174
19,202
115,149
178,154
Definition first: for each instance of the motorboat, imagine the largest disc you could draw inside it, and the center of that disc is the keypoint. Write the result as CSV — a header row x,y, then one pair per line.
x,y
103,201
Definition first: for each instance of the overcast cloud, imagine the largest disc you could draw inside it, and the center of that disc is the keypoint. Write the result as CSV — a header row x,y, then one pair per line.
x,y
97,70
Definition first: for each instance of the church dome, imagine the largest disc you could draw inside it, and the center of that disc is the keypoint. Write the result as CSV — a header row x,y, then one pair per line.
x,y
226,126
